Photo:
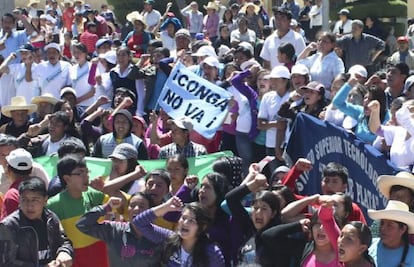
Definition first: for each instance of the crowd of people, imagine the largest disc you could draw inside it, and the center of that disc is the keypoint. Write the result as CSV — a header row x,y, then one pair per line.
x,y
76,82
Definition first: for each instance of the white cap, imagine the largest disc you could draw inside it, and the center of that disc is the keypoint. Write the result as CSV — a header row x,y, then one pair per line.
x,y
205,50
20,159
299,69
247,46
279,72
66,90
212,61
54,46
358,69
223,50
182,123
109,56
408,83
247,64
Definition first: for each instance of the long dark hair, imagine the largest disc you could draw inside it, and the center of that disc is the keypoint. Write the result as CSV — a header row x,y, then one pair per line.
x,y
199,255
365,237
379,95
274,203
406,240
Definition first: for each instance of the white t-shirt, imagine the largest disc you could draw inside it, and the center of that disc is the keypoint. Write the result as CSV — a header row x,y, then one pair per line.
x,y
244,118
52,78
105,89
315,15
24,88
152,18
249,36
272,43
268,109
79,79
7,89
53,147
168,41
402,150
347,27
334,116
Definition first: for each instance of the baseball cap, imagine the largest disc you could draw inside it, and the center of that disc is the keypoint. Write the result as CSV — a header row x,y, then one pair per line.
x,y
212,61
408,83
299,69
283,11
101,42
20,159
248,64
314,86
109,56
205,50
246,46
183,33
52,45
26,48
182,123
358,69
124,151
402,39
344,11
67,90
279,72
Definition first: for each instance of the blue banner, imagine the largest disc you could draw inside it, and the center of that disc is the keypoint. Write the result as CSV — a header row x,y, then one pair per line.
x,y
187,94
321,143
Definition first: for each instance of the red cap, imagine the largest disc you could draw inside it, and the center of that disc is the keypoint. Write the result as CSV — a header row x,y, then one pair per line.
x,y
402,39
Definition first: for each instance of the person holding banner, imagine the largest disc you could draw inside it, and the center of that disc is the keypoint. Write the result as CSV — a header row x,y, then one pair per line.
x,y
361,114
396,136
246,123
180,129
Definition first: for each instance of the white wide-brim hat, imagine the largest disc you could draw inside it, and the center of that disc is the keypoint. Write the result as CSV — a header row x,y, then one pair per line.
x,y
395,211
385,182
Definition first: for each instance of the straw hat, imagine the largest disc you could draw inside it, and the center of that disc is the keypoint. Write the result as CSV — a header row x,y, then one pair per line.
x,y
395,211
211,5
48,98
249,4
31,2
133,16
67,2
385,182
18,103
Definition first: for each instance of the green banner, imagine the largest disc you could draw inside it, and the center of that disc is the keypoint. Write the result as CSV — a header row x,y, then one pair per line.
x,y
199,166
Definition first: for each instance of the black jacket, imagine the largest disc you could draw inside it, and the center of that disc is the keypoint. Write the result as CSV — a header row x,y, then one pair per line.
x,y
19,240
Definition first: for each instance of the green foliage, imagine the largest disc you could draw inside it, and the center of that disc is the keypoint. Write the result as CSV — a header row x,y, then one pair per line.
x,y
382,9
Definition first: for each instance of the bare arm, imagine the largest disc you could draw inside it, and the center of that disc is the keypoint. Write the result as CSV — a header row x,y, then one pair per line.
x,y
119,182
374,118
4,66
294,208
305,53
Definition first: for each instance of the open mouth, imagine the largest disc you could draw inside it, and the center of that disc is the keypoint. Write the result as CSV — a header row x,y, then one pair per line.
x,y
321,236
258,221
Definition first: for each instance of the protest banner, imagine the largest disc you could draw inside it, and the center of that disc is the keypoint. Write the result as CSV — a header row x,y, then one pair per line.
x,y
187,94
199,166
321,143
